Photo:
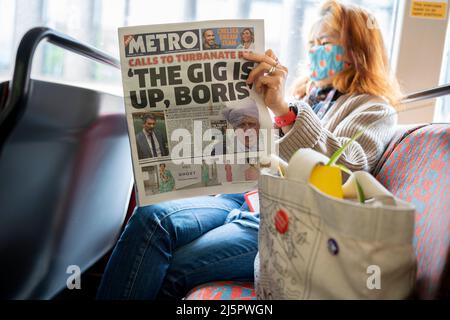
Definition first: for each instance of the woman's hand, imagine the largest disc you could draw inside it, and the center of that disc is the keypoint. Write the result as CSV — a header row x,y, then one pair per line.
x,y
300,87
269,79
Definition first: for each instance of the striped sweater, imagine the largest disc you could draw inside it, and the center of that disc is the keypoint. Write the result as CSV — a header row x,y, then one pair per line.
x,y
348,115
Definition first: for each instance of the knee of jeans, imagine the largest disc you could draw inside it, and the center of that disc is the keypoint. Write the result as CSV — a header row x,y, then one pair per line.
x,y
152,216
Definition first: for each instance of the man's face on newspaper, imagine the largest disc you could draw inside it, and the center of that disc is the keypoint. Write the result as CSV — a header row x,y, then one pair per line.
x,y
247,131
149,125
210,38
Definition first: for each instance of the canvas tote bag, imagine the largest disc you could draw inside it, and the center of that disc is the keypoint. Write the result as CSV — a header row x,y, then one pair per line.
x,y
313,246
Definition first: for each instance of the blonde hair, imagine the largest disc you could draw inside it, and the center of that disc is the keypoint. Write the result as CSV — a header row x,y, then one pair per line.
x,y
368,70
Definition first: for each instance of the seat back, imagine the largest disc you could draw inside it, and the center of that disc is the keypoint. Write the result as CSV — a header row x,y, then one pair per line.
x,y
66,179
416,169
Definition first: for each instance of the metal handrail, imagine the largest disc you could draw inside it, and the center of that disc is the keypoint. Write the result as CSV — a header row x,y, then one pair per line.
x,y
427,94
20,85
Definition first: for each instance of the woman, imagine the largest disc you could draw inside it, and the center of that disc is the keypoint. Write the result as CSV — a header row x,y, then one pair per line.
x,y
166,180
247,39
169,248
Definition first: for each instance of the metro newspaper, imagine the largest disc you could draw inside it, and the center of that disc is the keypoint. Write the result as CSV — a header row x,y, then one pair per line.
x,y
195,126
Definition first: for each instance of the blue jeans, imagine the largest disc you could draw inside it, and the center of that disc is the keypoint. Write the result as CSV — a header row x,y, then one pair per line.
x,y
168,248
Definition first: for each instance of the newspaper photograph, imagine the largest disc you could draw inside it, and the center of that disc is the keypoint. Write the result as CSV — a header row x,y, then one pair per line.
x,y
195,126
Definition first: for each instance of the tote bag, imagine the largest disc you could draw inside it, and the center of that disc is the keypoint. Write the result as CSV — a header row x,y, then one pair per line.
x,y
313,246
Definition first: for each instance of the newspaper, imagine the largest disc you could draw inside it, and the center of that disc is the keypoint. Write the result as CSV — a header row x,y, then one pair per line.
x,y
195,126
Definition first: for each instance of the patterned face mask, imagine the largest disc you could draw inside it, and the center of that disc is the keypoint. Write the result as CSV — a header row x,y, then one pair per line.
x,y
325,61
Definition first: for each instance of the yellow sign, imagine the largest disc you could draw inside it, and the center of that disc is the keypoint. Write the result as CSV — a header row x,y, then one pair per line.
x,y
431,9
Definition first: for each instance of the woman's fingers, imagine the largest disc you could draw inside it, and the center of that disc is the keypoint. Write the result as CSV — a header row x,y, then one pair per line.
x,y
271,54
264,67
259,70
259,58
269,57
262,82
299,88
273,90
268,82
266,61
299,93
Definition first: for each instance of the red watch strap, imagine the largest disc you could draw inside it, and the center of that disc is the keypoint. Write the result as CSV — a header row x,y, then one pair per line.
x,y
287,119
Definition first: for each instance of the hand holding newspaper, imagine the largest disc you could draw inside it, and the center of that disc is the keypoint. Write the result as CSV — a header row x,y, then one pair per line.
x,y
195,126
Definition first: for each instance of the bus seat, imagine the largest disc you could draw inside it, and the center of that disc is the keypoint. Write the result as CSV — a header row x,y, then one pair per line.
x,y
417,170
66,179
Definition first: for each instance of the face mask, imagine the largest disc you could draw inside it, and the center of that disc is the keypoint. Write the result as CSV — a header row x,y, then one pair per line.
x,y
325,61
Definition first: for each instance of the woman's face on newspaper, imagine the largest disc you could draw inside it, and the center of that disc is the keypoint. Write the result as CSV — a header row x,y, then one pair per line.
x,y
246,36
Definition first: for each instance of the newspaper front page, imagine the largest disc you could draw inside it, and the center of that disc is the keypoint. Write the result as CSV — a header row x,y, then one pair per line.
x,y
195,126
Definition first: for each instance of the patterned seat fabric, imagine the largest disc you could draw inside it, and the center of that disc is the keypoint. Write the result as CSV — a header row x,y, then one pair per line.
x,y
400,134
415,167
223,290
417,170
